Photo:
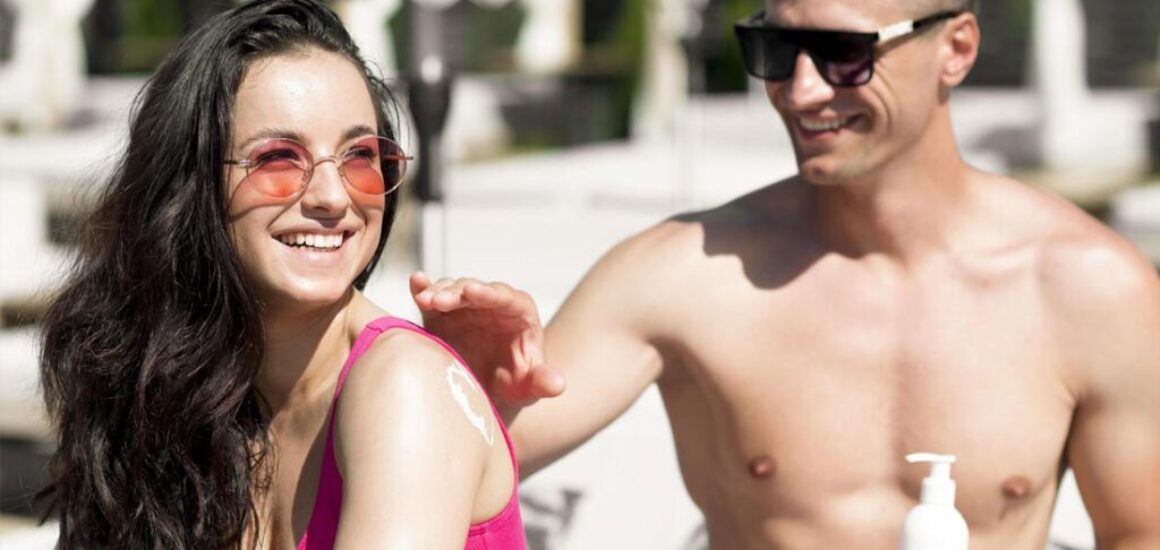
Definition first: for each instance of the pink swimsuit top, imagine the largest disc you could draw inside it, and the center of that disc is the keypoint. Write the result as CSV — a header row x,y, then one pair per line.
x,y
505,531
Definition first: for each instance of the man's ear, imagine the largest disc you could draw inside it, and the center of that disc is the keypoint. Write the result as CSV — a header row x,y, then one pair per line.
x,y
960,48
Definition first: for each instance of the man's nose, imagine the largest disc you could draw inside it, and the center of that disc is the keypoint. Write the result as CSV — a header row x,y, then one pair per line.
x,y
806,87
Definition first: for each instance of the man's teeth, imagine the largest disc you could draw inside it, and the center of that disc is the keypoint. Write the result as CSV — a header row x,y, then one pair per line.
x,y
312,240
820,125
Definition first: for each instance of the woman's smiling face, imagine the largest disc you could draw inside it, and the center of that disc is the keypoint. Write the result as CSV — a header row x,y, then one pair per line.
x,y
308,248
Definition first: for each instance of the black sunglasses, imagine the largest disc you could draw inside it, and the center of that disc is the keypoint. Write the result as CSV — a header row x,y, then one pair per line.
x,y
843,58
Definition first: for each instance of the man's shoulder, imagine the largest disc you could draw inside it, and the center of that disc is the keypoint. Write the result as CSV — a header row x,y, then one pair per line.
x,y
771,212
1097,293
1062,234
776,201
1080,262
1083,269
682,251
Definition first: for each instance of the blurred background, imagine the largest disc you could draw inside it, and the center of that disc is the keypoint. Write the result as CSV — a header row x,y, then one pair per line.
x,y
547,131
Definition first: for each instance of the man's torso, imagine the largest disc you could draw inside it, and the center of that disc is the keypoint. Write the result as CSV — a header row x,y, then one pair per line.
x,y
797,379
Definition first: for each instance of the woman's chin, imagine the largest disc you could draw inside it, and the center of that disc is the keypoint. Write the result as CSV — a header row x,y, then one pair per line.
x,y
307,296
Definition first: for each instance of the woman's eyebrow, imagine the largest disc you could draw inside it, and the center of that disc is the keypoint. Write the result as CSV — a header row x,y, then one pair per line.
x,y
272,133
358,130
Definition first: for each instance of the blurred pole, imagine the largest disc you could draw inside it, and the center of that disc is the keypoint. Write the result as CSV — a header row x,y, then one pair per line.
x,y
1060,76
366,21
429,97
549,40
42,82
103,30
663,90
701,41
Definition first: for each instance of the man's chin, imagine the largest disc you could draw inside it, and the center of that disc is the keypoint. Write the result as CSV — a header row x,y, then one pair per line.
x,y
819,171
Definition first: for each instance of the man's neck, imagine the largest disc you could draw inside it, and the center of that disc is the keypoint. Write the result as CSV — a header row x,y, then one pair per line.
x,y
908,208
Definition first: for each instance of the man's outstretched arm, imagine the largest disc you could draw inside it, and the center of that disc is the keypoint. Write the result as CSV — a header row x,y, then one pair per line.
x,y
598,341
497,329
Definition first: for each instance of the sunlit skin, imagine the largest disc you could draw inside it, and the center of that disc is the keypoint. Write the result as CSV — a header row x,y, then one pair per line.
x,y
889,299
883,119
417,471
288,277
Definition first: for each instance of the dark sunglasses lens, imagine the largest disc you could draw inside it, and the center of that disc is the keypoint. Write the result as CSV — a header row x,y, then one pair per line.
x,y
843,59
854,73
767,56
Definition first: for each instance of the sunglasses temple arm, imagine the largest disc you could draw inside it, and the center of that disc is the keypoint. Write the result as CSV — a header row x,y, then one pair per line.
x,y
895,31
906,27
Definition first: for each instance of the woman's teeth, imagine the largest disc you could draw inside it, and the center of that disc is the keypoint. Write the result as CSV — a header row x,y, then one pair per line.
x,y
312,240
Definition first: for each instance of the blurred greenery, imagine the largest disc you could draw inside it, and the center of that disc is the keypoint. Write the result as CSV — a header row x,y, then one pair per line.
x,y
134,36
151,29
725,72
479,39
620,57
7,18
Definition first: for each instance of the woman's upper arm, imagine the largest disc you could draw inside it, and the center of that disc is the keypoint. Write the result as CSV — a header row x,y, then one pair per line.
x,y
411,451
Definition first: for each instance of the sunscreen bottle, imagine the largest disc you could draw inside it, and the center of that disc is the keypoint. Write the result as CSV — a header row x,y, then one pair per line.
x,y
935,524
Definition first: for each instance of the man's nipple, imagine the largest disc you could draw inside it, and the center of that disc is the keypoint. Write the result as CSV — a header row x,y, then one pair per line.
x,y
1016,487
762,467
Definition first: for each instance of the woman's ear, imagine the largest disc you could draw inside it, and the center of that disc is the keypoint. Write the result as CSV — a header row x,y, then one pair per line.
x,y
960,48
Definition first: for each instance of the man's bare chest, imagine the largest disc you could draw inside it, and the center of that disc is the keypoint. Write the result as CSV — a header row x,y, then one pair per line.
x,y
828,400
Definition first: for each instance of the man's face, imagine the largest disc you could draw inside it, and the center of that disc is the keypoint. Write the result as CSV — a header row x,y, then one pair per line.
x,y
844,134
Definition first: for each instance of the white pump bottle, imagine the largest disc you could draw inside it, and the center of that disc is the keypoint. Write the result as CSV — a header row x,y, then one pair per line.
x,y
935,524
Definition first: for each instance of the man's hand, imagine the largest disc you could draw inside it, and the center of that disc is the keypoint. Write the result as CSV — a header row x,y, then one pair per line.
x,y
497,330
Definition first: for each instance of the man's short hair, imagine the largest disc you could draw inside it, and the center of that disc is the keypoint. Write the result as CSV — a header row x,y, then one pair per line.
x,y
934,6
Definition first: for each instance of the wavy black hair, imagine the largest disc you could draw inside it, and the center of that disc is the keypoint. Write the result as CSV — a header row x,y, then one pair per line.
x,y
151,349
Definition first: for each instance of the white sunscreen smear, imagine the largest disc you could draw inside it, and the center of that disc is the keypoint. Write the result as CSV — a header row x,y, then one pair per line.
x,y
455,370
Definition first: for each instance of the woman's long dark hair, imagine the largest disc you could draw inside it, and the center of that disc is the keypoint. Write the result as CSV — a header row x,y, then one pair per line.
x,y
150,351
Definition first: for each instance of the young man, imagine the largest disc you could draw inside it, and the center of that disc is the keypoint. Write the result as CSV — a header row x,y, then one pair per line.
x,y
888,299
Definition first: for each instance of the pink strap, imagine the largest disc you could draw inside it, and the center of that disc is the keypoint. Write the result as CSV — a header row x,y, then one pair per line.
x,y
323,525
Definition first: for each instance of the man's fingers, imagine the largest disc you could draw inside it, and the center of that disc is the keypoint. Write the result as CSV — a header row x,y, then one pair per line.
x,y
440,295
503,299
508,389
487,295
546,382
419,284
447,294
447,299
524,389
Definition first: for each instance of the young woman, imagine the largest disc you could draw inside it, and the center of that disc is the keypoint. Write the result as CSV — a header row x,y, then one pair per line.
x,y
215,375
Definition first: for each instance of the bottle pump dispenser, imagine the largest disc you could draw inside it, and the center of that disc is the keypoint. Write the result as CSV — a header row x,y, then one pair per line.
x,y
935,524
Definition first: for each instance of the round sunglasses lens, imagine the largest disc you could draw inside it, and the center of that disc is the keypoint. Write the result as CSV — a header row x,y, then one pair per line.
x,y
362,175
374,166
276,168
394,164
